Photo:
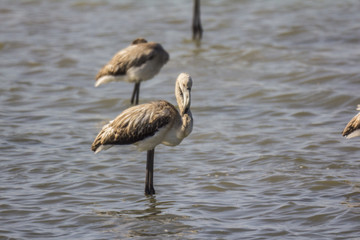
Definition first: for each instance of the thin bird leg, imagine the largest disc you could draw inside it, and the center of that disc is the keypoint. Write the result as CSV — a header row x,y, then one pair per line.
x,y
149,185
196,26
136,86
137,93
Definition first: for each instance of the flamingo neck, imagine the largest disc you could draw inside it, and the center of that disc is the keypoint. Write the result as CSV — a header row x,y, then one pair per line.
x,y
187,124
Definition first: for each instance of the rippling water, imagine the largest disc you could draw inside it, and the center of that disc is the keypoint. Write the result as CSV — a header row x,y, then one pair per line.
x,y
275,82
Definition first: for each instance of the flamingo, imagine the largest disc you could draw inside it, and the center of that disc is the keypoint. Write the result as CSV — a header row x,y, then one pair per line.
x,y
150,124
138,62
352,129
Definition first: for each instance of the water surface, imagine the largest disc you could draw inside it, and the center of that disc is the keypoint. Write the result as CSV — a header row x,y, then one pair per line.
x,y
275,82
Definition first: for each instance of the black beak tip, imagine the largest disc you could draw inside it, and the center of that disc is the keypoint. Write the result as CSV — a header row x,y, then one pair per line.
x,y
186,110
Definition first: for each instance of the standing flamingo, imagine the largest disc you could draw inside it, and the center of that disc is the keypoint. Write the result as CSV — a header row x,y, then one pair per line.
x,y
138,62
150,124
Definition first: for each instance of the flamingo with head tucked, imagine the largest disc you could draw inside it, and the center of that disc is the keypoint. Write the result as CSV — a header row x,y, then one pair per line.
x,y
138,62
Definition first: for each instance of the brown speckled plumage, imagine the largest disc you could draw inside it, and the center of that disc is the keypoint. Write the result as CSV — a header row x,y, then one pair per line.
x,y
352,126
135,124
138,53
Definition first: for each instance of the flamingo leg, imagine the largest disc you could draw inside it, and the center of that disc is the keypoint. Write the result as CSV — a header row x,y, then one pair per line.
x,y
135,93
149,185
138,93
196,27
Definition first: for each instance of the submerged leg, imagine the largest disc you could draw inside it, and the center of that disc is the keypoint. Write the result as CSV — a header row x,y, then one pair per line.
x,y
149,185
135,92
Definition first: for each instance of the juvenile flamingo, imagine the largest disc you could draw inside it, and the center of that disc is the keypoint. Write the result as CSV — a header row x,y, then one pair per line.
x,y
138,62
352,129
150,124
